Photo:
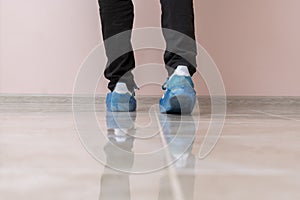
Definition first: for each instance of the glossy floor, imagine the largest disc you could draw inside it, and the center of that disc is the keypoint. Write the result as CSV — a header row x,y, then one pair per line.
x,y
146,155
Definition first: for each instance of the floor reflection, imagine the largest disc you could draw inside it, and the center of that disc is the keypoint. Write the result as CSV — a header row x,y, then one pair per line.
x,y
183,177
176,182
120,131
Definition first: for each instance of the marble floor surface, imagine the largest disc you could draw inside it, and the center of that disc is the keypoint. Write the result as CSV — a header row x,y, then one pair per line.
x,y
49,153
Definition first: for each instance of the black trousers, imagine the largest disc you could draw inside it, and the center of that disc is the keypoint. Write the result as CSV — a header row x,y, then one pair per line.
x,y
117,16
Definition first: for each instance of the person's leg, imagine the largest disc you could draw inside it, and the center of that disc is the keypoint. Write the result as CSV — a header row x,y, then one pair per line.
x,y
180,56
117,22
117,16
178,15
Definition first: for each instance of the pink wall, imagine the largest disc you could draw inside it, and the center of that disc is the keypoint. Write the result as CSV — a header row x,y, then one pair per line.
x,y
255,43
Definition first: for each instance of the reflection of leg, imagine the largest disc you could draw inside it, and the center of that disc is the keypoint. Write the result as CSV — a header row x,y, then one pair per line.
x,y
118,151
179,136
165,190
178,15
116,17
115,187
186,182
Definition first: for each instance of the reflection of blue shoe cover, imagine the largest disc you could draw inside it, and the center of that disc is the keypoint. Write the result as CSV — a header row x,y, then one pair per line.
x,y
120,133
180,96
120,125
180,135
119,100
120,120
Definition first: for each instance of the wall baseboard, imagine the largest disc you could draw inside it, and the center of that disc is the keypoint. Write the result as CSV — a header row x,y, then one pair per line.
x,y
41,103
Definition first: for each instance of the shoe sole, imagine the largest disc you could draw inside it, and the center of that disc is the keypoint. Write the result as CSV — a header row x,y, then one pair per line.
x,y
121,107
180,104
